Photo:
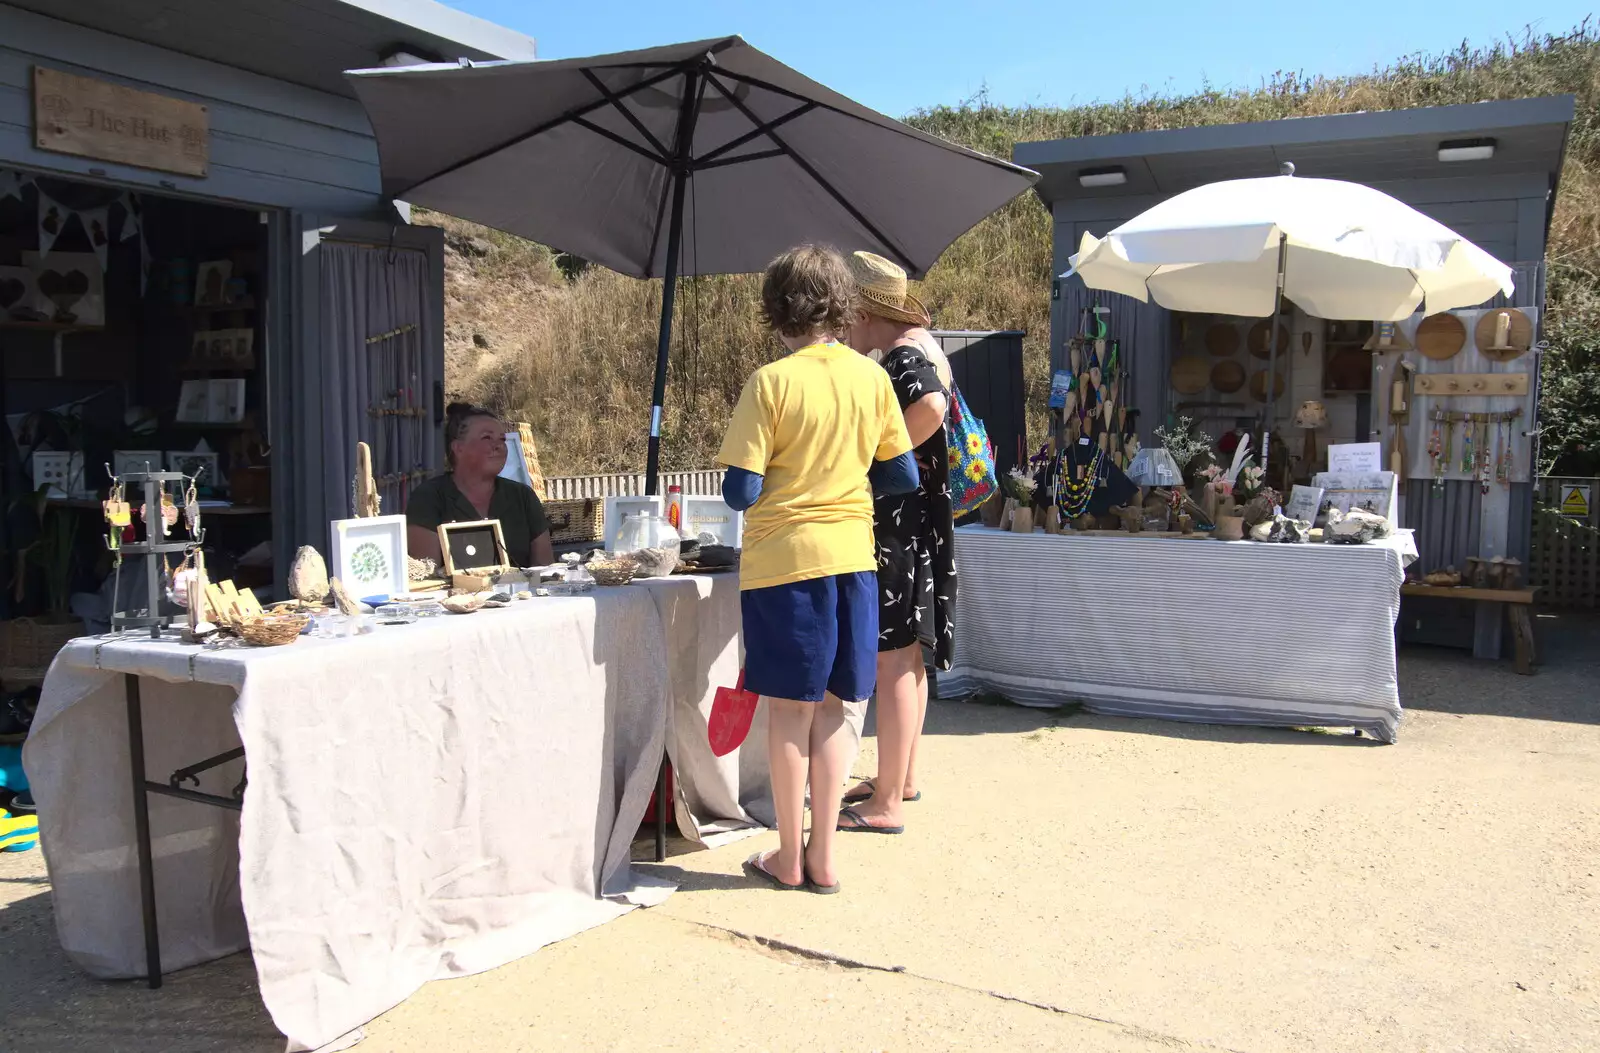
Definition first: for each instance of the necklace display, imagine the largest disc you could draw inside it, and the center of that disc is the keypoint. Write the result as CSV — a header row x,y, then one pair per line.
x,y
1485,447
1073,495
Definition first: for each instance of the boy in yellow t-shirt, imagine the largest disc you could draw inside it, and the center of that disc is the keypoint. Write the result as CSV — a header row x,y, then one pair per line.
x,y
809,432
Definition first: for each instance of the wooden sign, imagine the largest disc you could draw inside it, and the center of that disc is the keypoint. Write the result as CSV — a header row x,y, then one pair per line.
x,y
107,122
1482,385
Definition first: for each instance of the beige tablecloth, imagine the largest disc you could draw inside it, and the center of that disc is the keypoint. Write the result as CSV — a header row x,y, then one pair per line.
x,y
425,801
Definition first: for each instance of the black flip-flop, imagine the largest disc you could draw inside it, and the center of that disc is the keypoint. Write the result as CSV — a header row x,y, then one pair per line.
x,y
859,824
753,867
857,798
821,890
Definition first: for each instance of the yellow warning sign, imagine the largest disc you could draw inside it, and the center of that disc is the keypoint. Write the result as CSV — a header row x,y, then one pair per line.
x,y
1576,501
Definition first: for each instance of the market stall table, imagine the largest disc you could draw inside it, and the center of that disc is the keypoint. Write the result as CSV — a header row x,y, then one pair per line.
x,y
1197,630
423,801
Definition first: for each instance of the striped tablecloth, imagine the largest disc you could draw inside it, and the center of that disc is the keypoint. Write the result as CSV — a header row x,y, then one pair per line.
x,y
1197,630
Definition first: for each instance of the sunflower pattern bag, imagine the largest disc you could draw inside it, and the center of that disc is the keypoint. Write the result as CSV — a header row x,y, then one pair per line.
x,y
972,478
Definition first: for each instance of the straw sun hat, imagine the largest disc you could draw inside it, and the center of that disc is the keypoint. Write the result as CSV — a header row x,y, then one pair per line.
x,y
883,290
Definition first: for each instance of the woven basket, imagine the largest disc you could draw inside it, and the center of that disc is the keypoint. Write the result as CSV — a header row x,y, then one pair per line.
x,y
274,630
612,571
28,646
574,521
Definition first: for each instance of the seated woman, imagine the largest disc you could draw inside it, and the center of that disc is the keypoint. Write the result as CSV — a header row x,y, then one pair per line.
x,y
475,446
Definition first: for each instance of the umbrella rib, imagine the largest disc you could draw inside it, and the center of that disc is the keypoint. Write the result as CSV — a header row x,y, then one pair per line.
x,y
702,162
633,119
805,166
522,137
741,159
584,122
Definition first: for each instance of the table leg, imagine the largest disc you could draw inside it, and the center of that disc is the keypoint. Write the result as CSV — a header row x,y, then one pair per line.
x,y
141,833
661,811
1522,637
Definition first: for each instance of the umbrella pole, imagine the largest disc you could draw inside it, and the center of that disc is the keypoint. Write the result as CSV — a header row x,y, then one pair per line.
x,y
1272,357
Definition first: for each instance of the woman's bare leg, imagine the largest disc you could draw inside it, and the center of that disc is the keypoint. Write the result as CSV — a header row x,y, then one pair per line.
x,y
916,735
789,731
831,742
898,720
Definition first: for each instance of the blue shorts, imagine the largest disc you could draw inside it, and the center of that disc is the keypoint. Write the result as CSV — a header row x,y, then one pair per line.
x,y
808,638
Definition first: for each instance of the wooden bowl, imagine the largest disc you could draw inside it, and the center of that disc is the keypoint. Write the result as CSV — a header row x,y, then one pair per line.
x,y
1222,340
1260,334
1258,385
1227,377
1441,336
1517,344
1190,374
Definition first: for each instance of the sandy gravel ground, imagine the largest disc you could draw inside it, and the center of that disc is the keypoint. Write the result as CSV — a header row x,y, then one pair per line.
x,y
1068,882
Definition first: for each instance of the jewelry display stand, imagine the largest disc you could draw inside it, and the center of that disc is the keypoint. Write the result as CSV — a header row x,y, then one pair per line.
x,y
154,551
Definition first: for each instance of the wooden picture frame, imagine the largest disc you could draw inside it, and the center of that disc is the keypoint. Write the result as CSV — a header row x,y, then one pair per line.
x,y
462,546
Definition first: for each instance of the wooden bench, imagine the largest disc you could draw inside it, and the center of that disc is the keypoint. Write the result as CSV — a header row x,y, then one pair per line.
x,y
1519,608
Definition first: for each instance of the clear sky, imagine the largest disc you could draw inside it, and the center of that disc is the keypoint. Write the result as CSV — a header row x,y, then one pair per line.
x,y
896,56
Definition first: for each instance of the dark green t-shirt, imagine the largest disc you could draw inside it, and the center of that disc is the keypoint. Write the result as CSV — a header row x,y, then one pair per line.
x,y
515,505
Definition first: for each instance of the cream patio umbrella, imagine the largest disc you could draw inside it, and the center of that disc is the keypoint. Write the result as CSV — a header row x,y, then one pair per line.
x,y
1337,249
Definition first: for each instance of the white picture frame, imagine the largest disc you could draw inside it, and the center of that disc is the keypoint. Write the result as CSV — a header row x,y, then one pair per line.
x,y
225,401
1376,492
126,462
77,271
61,472
211,283
190,461
713,515
194,400
619,508
369,556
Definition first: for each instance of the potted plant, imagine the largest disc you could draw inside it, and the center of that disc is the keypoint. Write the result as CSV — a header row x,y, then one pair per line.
x,y
30,644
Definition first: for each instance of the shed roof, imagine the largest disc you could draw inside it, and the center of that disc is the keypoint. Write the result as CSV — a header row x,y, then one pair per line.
x,y
1380,146
307,42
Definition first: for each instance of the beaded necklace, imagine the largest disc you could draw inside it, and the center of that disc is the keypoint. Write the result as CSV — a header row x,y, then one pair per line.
x,y
1073,495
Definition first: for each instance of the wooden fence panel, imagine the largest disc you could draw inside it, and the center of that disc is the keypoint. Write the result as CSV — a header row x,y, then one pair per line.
x,y
1565,560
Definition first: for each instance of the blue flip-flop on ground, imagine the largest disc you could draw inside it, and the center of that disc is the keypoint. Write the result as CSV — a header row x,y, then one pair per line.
x,y
19,833
859,824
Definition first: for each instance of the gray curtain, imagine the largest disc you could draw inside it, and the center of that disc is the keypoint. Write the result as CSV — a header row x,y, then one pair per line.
x,y
1145,334
369,378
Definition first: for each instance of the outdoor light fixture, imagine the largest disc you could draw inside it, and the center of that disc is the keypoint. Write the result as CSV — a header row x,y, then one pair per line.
x,y
1466,150
402,55
1090,177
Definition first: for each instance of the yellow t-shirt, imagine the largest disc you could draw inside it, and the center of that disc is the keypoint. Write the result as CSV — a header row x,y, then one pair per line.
x,y
812,424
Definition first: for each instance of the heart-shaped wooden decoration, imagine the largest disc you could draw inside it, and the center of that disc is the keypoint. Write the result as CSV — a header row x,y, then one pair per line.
x,y
11,291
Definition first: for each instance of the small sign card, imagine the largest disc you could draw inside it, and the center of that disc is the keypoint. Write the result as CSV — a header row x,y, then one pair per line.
x,y
1304,503
1356,457
1060,385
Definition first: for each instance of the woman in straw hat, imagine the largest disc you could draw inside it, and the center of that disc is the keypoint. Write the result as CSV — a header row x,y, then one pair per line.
x,y
915,540
809,432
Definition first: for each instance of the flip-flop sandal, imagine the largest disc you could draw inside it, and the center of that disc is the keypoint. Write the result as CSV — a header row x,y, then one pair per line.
x,y
860,825
821,890
753,868
18,833
857,798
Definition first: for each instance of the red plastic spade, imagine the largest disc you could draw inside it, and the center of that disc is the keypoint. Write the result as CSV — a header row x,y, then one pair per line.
x,y
731,713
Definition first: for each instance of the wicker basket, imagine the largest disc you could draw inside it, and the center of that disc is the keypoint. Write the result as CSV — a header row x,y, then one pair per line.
x,y
274,630
28,646
612,571
575,521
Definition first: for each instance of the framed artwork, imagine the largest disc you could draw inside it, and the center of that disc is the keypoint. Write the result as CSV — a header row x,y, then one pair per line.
x,y
1374,492
211,283
225,401
619,508
61,472
126,462
71,287
190,462
475,546
19,295
712,515
194,401
369,556
240,352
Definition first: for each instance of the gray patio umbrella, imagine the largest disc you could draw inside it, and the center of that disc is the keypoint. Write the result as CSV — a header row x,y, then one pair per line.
x,y
611,158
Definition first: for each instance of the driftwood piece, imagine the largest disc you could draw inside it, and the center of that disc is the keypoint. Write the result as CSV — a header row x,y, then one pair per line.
x,y
367,500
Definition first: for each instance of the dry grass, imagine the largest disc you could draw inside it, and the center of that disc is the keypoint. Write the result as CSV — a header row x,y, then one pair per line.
x,y
576,358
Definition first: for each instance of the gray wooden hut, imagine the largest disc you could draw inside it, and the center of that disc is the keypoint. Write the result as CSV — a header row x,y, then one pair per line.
x,y
242,143
1488,170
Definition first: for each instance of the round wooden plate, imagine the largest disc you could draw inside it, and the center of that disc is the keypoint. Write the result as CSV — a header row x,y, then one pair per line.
x,y
1519,341
1259,335
1441,336
1222,340
1227,377
1189,375
1258,385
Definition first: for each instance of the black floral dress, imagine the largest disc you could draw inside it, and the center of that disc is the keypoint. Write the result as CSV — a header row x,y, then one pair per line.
x,y
916,532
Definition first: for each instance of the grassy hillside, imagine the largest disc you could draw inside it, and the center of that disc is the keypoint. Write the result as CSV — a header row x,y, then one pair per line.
x,y
575,357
